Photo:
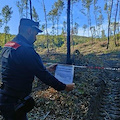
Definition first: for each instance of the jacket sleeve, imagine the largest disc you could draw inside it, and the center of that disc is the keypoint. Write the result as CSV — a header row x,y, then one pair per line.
x,y
34,65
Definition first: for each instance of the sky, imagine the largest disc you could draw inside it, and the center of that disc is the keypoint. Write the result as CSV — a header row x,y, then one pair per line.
x,y
77,17
14,22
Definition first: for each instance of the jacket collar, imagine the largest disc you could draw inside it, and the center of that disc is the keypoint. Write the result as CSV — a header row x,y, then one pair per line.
x,y
23,39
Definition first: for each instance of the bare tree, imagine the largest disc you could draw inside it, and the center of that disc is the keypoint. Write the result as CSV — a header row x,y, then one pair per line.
x,y
35,15
87,4
23,8
95,14
52,17
7,14
59,5
84,28
64,30
0,23
6,31
92,29
108,8
100,21
115,22
45,14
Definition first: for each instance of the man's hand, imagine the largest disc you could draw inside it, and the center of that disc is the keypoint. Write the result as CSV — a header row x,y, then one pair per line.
x,y
70,87
52,67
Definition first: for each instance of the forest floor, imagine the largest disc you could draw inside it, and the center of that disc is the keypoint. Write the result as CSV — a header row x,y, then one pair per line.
x,y
53,105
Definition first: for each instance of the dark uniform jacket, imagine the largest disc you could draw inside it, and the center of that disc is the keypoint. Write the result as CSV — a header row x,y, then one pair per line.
x,y
20,63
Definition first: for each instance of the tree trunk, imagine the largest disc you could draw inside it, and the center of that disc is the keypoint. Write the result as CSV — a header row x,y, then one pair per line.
x,y
95,14
109,20
46,26
115,23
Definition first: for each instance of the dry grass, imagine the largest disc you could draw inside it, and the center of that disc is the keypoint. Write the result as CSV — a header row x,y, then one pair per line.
x,y
98,47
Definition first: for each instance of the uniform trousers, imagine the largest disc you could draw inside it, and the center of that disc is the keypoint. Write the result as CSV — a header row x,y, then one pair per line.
x,y
7,108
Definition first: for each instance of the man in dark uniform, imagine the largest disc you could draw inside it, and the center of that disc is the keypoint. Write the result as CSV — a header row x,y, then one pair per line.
x,y
20,63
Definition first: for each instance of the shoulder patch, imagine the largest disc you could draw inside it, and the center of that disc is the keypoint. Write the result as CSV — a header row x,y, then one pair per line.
x,y
12,44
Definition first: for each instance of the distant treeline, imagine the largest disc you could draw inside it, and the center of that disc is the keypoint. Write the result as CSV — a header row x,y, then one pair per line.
x,y
49,41
5,38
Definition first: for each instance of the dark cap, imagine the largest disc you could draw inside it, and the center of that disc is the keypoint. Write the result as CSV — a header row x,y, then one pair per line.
x,y
31,23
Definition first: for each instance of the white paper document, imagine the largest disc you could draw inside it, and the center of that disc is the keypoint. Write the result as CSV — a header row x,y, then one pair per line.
x,y
64,73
